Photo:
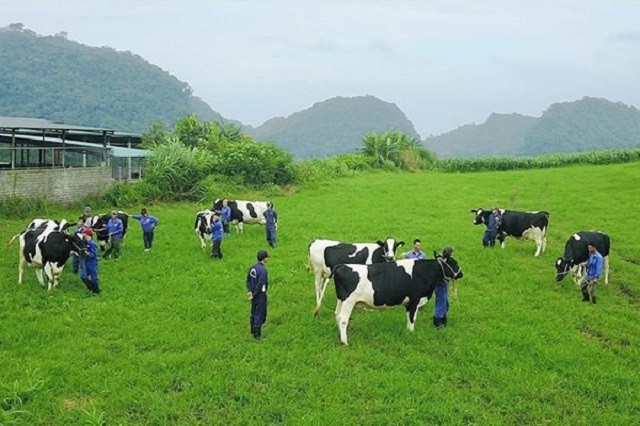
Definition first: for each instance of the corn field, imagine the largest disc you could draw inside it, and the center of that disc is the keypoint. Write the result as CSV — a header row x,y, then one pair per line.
x,y
609,156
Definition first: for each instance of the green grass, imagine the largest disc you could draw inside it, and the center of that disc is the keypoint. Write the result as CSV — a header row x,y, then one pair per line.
x,y
168,340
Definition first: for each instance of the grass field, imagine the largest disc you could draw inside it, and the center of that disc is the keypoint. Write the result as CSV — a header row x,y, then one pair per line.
x,y
168,342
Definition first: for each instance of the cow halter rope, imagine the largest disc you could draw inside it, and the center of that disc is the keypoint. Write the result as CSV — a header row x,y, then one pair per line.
x,y
442,263
567,270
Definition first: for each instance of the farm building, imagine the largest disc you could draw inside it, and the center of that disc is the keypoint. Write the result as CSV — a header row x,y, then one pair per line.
x,y
63,162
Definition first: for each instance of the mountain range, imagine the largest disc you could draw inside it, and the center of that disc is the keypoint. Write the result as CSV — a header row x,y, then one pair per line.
x,y
54,78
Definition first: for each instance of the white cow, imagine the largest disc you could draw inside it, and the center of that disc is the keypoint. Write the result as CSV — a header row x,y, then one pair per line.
x,y
251,212
202,227
47,251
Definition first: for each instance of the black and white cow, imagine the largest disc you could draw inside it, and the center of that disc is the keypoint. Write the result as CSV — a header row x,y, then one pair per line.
x,y
99,223
202,226
251,212
325,254
50,224
576,253
46,250
527,225
408,282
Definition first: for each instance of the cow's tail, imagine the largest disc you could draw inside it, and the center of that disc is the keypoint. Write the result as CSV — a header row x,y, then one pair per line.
x,y
316,311
13,238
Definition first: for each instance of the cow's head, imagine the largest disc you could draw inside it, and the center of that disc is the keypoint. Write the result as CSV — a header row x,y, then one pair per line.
x,y
389,247
217,204
78,244
449,265
481,216
563,267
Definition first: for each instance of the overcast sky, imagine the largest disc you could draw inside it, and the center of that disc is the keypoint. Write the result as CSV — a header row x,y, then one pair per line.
x,y
444,63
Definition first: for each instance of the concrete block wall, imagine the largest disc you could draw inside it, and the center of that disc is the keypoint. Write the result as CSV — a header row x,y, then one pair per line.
x,y
57,185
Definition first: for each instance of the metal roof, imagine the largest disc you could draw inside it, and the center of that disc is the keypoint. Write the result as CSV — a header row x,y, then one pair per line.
x,y
116,151
23,123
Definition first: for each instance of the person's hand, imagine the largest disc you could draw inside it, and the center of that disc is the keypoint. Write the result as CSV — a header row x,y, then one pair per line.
x,y
249,295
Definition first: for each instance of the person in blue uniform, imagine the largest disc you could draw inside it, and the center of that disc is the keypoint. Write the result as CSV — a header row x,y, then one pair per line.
x,y
115,228
77,262
493,225
416,252
216,237
225,216
272,224
148,224
89,274
442,296
595,264
257,286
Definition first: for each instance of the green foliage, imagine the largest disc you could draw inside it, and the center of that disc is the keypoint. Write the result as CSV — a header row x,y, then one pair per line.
x,y
396,149
175,169
58,79
319,170
22,207
611,156
256,164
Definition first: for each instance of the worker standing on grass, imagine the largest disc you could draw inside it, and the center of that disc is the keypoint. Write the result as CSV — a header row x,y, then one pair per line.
x,y
257,286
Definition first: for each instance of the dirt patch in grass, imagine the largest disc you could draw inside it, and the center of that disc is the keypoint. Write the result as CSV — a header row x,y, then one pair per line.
x,y
605,341
628,258
72,403
628,292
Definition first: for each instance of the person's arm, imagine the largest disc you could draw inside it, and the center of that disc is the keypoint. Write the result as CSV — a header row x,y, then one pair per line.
x,y
137,216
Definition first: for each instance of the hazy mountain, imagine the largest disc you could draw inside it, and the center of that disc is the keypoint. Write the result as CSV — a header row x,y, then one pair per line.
x,y
590,123
57,79
500,134
586,124
333,126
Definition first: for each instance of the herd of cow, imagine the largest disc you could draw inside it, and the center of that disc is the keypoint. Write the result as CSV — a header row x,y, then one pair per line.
x,y
368,274
364,274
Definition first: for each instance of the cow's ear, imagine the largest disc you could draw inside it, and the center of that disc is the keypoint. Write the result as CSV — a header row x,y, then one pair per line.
x,y
380,243
474,211
401,243
436,254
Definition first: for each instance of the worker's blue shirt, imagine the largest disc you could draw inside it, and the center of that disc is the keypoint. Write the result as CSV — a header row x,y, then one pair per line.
x,y
147,222
91,253
415,255
225,214
257,279
216,230
595,265
271,217
115,228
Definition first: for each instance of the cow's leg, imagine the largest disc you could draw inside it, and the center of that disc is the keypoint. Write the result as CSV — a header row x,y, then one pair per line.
x,y
412,314
606,269
49,275
538,247
544,239
39,276
319,297
240,227
21,265
343,320
502,239
56,272
338,308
